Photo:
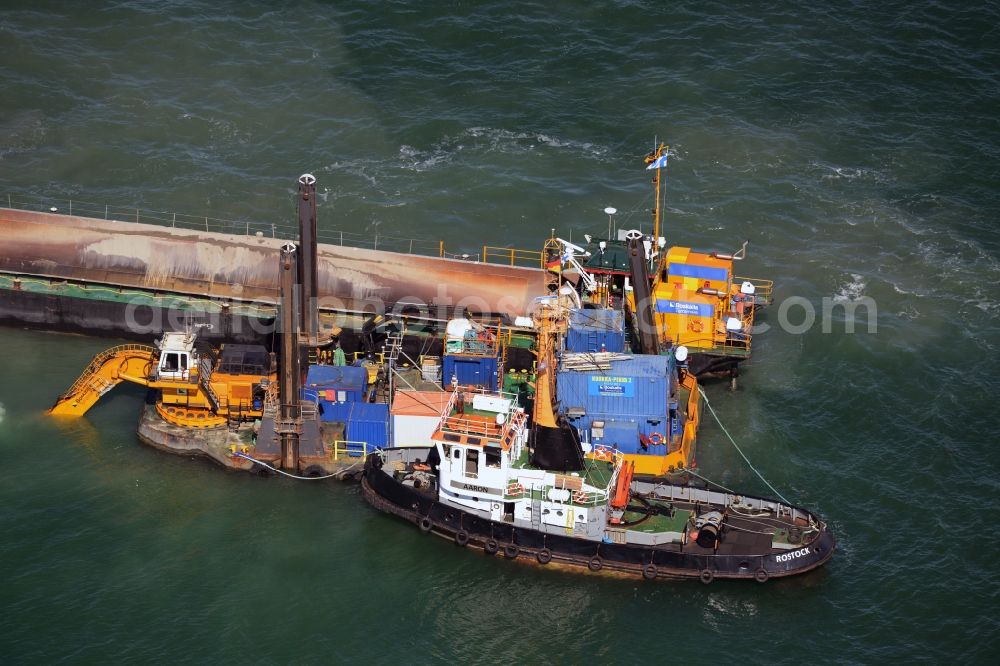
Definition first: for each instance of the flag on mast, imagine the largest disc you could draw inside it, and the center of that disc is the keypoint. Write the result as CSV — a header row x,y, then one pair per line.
x,y
659,163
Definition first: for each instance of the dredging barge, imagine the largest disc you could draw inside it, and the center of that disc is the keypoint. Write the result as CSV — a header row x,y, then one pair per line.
x,y
197,402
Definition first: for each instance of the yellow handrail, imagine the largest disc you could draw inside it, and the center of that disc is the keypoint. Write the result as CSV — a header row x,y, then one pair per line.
x,y
763,288
342,448
512,256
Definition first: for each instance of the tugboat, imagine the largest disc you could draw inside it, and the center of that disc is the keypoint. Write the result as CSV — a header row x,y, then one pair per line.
x,y
493,482
484,487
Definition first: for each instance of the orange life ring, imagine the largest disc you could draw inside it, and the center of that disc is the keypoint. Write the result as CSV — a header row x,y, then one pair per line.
x,y
655,439
602,453
515,488
580,497
695,326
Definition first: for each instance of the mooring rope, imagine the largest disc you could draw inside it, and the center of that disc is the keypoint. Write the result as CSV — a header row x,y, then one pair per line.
x,y
295,476
709,481
737,447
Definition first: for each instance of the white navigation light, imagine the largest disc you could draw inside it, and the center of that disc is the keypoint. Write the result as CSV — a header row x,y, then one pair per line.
x,y
610,211
681,353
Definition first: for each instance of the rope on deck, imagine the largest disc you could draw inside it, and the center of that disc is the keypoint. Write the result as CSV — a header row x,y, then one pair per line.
x,y
295,476
738,449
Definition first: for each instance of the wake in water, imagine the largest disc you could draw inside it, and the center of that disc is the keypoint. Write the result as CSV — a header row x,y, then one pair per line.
x,y
507,141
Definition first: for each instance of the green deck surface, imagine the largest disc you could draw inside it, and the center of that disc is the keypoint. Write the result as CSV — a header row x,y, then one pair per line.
x,y
597,473
511,383
614,257
659,523
521,341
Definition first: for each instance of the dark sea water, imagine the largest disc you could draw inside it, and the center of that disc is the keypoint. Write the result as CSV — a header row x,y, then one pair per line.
x,y
855,144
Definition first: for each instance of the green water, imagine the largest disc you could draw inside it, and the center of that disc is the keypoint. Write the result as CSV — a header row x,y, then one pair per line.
x,y
855,145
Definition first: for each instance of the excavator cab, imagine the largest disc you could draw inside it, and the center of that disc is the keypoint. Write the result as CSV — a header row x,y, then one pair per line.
x,y
177,357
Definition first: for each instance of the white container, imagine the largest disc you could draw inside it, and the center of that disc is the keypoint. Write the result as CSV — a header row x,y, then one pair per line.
x,y
558,495
413,430
491,403
415,416
457,329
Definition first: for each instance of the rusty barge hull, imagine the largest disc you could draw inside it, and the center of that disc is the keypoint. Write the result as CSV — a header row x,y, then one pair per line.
x,y
123,278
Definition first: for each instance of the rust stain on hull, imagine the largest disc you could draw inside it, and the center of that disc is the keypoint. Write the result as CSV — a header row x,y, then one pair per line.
x,y
244,268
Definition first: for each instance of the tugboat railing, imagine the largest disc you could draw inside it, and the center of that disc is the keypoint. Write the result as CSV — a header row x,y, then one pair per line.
x,y
592,497
581,497
475,427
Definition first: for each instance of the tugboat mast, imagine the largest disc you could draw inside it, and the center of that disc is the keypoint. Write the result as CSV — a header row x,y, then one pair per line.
x,y
652,159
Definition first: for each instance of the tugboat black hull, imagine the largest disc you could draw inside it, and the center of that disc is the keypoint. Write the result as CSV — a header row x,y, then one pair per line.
x,y
423,510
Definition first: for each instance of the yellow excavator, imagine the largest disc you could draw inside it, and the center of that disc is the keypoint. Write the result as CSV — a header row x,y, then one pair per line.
x,y
198,388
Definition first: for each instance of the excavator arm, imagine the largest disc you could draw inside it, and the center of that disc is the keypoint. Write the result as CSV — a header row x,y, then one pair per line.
x,y
132,363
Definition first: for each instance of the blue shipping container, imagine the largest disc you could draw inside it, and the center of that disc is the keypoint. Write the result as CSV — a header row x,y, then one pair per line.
x,y
595,331
621,435
470,370
369,422
335,411
637,386
630,399
363,422
336,383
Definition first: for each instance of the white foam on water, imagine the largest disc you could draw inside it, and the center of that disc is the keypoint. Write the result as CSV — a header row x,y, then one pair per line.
x,y
851,291
834,172
354,167
986,306
507,141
